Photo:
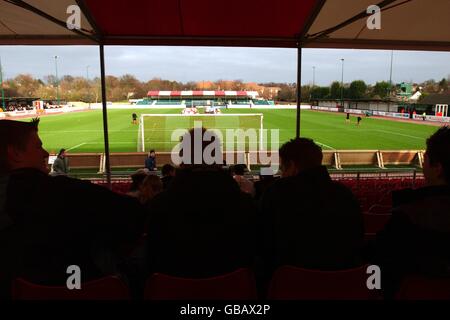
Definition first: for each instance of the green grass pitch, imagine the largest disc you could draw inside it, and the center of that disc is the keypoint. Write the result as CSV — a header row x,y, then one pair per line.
x,y
83,131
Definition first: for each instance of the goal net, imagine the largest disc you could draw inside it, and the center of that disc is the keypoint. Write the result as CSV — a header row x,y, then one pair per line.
x,y
155,130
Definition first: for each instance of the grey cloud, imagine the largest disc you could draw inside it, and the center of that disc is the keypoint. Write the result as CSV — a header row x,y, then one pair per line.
x,y
248,64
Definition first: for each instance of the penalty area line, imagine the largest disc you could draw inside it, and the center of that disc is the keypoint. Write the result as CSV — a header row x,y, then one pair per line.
x,y
323,144
78,145
399,134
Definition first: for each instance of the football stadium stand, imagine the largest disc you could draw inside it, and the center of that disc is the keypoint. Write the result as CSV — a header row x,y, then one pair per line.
x,y
298,24
202,98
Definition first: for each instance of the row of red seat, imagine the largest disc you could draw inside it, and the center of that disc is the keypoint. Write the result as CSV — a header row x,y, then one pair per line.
x,y
288,283
374,195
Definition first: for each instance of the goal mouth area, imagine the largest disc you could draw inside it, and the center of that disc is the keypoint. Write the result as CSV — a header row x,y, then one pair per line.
x,y
157,134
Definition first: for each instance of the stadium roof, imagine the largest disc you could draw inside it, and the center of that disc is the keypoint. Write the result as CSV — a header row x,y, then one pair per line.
x,y
443,98
405,24
202,93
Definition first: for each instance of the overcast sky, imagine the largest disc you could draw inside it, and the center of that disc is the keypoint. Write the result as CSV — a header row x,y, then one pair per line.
x,y
207,63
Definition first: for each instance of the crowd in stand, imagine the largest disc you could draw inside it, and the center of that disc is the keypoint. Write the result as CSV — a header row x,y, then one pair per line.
x,y
201,220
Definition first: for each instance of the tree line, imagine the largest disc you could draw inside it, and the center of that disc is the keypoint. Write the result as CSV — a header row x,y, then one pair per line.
x,y
357,89
126,87
121,88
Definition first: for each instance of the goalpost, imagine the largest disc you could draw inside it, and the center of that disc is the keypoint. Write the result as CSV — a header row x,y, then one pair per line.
x,y
155,129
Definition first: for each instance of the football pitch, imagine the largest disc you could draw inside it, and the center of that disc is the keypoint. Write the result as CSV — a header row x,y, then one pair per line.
x,y
81,132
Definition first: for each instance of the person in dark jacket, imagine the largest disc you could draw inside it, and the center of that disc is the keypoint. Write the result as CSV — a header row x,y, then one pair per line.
x,y
150,162
50,223
308,220
61,163
168,174
202,225
417,238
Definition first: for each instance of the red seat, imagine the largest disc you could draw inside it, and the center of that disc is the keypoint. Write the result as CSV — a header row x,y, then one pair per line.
x,y
238,285
371,200
386,199
424,288
135,248
293,283
380,209
374,223
108,288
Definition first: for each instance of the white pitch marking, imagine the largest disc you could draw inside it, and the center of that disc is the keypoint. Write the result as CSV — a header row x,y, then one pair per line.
x,y
323,144
78,145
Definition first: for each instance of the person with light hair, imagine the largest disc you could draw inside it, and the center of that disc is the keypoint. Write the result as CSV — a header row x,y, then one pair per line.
x,y
137,179
149,188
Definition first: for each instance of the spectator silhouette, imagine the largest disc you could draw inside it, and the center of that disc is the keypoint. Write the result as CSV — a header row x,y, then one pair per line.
x,y
61,163
264,182
137,179
417,238
168,173
244,184
203,225
308,220
49,223
149,188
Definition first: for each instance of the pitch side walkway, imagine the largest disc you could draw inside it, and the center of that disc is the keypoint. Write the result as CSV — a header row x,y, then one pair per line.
x,y
426,122
430,123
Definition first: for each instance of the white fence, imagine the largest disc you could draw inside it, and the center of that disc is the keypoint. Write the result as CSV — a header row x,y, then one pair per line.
x,y
384,114
432,118
391,114
355,111
331,109
33,113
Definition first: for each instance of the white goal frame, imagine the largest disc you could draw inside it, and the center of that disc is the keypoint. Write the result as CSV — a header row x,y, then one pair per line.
x,y
141,135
